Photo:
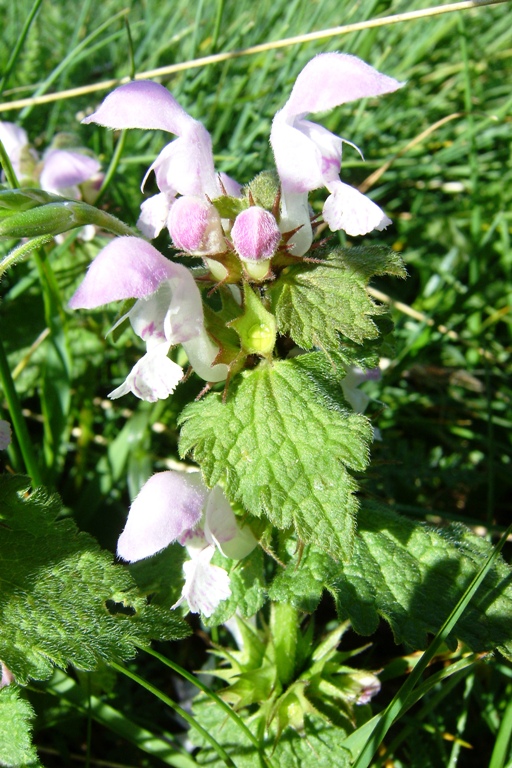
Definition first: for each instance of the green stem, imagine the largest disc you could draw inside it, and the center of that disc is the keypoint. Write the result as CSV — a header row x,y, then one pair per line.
x,y
180,711
112,168
7,167
19,44
21,252
106,221
222,704
18,420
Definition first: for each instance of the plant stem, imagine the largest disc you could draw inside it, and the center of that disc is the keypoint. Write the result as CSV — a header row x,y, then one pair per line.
x,y
18,420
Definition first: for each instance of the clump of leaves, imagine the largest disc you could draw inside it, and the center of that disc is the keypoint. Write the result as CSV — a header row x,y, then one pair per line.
x,y
282,674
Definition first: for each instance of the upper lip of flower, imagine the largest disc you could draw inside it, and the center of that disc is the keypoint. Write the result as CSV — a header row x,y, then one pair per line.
x,y
308,156
185,166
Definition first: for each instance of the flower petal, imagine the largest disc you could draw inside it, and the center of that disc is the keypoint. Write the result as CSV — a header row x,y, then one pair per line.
x,y
63,169
141,104
128,267
206,585
348,209
153,214
185,165
298,159
255,234
221,527
14,139
169,504
173,313
295,213
195,226
201,352
331,79
231,187
154,377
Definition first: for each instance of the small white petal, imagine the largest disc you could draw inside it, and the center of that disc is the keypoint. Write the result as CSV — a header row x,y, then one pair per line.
x,y
348,209
295,213
153,214
206,585
221,527
154,377
168,505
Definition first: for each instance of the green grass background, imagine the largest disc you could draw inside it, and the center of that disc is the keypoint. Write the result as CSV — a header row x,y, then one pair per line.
x,y
443,404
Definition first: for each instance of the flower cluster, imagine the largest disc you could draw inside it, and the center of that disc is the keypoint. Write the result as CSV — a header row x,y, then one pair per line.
x,y
236,246
244,237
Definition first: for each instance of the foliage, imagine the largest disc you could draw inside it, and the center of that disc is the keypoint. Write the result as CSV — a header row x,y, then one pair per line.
x,y
397,545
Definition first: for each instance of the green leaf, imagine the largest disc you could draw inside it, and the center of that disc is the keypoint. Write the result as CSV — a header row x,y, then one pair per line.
x,y
62,601
412,576
16,747
315,303
315,746
281,444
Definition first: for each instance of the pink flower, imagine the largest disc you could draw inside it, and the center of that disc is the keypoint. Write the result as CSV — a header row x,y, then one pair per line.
x,y
308,156
255,234
169,311
177,507
196,227
183,167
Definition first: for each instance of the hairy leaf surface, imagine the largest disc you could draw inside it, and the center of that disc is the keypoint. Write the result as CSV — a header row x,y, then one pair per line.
x,y
282,444
16,714
62,600
412,576
315,303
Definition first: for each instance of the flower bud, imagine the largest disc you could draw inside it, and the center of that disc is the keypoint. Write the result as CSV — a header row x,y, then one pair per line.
x,y
255,234
48,219
196,227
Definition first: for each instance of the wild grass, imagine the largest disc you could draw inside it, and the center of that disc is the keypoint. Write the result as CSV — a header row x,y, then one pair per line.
x,y
443,144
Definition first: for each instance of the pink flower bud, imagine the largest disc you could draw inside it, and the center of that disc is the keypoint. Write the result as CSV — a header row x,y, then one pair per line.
x,y
196,227
255,234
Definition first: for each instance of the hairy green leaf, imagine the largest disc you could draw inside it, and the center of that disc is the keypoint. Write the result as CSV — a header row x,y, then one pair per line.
x,y
315,746
281,444
315,303
412,576
16,747
62,600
